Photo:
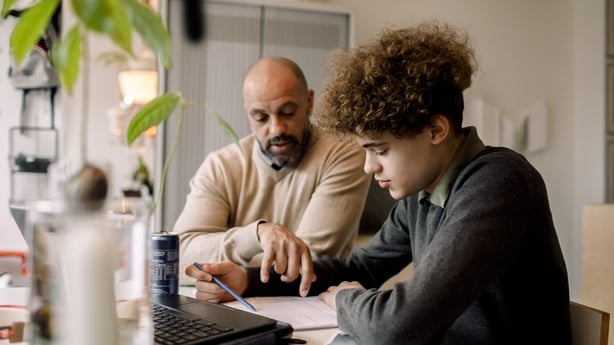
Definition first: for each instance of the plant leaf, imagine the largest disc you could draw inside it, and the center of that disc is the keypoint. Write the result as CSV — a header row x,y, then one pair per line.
x,y
228,130
152,114
6,7
31,26
151,29
113,57
66,55
107,17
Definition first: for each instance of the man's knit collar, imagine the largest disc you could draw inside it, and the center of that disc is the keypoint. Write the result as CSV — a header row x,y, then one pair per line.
x,y
272,164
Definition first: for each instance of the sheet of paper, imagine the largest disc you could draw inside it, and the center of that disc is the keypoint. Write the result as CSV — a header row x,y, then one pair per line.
x,y
302,313
341,338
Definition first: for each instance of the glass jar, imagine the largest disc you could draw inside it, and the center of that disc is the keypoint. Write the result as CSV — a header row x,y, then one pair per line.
x,y
90,273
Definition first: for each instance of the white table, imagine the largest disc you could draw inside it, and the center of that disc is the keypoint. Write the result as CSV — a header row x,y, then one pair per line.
x,y
20,296
317,336
14,295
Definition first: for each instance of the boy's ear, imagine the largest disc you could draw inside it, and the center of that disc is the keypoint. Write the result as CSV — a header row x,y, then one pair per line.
x,y
440,129
310,96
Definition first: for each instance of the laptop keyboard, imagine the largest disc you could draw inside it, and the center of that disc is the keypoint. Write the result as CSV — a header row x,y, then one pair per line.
x,y
175,328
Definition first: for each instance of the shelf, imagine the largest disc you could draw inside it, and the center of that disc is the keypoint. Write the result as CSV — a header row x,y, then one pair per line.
x,y
30,164
31,151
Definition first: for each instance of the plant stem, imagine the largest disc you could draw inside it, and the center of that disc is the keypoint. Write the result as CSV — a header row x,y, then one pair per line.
x,y
171,154
85,98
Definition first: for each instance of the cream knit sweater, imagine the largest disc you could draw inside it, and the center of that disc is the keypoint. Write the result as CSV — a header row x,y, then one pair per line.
x,y
321,201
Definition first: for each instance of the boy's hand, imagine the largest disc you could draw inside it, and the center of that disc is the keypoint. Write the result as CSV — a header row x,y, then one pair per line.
x,y
330,294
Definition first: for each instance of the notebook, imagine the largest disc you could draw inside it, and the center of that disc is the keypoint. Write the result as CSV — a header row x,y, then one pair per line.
x,y
185,320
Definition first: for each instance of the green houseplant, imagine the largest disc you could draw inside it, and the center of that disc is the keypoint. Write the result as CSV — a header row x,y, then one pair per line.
x,y
117,20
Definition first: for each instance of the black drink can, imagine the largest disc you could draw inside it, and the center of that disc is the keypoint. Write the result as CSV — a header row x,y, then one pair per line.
x,y
164,263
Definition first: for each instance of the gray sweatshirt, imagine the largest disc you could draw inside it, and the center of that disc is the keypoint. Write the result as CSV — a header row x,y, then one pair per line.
x,y
488,267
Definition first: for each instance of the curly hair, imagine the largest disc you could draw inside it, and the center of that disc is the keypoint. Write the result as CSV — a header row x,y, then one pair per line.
x,y
398,82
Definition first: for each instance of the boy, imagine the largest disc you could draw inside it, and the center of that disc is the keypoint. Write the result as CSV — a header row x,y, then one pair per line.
x,y
474,220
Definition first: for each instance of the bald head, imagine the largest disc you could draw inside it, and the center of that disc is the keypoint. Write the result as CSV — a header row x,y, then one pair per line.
x,y
275,69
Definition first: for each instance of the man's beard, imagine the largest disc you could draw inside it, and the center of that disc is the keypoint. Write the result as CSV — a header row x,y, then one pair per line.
x,y
294,155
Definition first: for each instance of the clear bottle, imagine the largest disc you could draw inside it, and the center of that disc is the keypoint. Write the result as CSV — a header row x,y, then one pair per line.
x,y
90,273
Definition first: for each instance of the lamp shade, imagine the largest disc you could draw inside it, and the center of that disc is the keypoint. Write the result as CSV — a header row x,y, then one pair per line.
x,y
141,86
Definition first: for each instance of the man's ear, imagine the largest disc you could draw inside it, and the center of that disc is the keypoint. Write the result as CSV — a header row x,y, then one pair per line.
x,y
440,129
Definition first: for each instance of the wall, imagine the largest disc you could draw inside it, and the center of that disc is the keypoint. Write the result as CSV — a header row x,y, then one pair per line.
x,y
547,50
588,134
9,117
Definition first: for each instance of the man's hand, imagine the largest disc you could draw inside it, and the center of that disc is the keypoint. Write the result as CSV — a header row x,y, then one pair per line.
x,y
330,295
228,272
288,254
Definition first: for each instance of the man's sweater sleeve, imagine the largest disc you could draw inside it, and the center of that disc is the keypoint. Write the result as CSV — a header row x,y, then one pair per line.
x,y
381,258
202,225
330,222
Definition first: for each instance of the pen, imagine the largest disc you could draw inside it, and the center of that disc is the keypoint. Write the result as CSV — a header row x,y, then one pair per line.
x,y
227,289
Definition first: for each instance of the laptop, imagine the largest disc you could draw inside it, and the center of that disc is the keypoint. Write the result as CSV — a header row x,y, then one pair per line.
x,y
185,320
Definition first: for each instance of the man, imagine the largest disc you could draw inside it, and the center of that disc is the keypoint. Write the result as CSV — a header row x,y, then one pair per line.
x,y
474,220
250,203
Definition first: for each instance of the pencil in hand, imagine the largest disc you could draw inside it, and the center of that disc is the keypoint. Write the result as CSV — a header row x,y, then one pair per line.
x,y
228,290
